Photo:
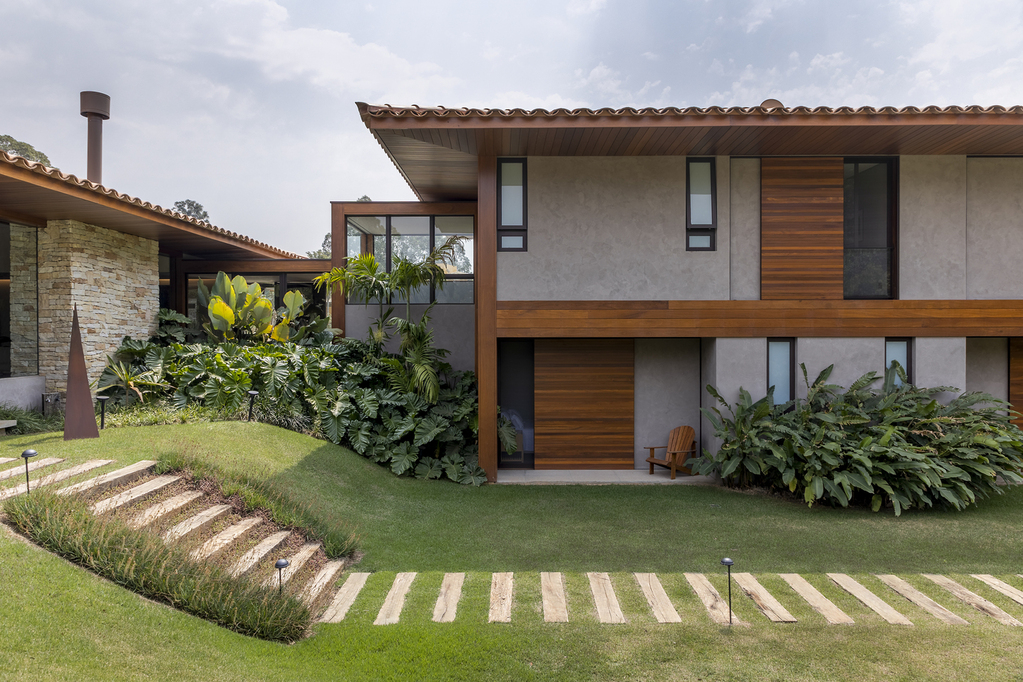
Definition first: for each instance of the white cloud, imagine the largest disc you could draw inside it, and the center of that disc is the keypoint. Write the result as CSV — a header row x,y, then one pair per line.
x,y
582,7
962,31
650,55
759,12
827,62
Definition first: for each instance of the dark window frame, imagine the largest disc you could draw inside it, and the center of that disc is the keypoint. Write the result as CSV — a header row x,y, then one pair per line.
x,y
892,163
909,354
513,230
792,365
702,230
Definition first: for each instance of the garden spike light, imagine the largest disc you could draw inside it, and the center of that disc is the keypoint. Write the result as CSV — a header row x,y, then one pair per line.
x,y
728,562
102,410
280,566
252,399
25,455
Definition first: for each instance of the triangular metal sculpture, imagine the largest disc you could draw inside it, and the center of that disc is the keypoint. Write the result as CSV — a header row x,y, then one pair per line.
x,y
79,414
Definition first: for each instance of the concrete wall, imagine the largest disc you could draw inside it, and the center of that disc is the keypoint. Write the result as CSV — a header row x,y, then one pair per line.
x,y
114,278
940,362
453,328
728,365
987,366
994,228
667,391
744,228
23,392
852,358
932,227
614,228
24,302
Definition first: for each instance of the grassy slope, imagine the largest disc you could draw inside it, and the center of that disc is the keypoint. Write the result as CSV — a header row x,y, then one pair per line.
x,y
66,624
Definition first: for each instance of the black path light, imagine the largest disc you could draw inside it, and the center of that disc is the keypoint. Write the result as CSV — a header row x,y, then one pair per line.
x,y
280,566
25,455
252,399
728,562
102,409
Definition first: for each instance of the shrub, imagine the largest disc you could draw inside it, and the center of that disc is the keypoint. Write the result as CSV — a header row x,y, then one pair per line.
x,y
30,421
141,562
895,446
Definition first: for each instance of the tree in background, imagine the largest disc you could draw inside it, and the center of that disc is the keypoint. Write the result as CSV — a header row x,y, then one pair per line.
x,y
193,209
324,250
25,150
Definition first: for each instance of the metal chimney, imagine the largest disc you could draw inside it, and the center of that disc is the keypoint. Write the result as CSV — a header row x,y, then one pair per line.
x,y
95,107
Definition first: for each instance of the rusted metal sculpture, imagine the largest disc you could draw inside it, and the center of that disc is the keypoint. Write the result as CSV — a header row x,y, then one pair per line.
x,y
79,415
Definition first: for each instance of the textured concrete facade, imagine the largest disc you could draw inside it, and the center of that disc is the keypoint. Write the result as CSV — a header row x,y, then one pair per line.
x,y
744,228
987,367
114,279
23,392
994,228
453,329
932,227
728,365
614,228
852,358
667,393
940,362
24,302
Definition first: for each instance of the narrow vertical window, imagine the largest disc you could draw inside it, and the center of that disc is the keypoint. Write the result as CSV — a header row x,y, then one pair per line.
x,y
781,368
869,224
701,205
900,351
511,205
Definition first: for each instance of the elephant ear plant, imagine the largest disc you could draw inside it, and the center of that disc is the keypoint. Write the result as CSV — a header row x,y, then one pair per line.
x,y
236,309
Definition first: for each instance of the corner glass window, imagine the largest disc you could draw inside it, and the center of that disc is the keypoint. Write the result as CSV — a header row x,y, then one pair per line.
x,y
781,368
869,228
511,205
899,350
701,205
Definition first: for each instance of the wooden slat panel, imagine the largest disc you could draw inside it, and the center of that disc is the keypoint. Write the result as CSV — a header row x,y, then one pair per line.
x,y
801,228
583,398
1016,376
752,319
485,245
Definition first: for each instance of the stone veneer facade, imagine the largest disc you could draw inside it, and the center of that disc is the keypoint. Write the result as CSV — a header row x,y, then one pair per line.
x,y
24,302
114,278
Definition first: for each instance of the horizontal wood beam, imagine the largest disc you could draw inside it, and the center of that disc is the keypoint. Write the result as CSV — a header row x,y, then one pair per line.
x,y
752,319
356,208
298,265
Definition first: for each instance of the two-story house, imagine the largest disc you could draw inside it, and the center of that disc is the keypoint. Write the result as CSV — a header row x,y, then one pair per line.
x,y
624,259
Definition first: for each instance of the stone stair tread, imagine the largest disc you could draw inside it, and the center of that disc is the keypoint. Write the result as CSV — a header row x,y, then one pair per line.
x,y
55,477
323,579
133,494
32,466
196,522
157,511
112,479
225,537
249,560
295,564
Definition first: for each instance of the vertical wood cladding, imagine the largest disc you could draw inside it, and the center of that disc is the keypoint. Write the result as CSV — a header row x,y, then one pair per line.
x,y
584,403
801,224
1016,376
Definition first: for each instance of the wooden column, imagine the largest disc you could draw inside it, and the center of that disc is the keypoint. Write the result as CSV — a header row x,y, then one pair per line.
x,y
486,313
1016,376
338,253
178,285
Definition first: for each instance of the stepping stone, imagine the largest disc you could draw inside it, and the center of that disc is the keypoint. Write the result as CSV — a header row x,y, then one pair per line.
x,y
552,589
820,603
158,511
922,600
390,612
608,610
55,477
295,563
132,494
256,554
201,520
1005,588
869,599
114,478
501,590
974,600
321,581
763,599
225,538
712,601
344,599
655,595
447,601
20,470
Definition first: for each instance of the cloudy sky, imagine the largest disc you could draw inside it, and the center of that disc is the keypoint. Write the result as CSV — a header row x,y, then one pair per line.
x,y
248,106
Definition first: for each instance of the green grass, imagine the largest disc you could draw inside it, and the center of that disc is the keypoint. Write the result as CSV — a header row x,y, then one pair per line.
x,y
63,623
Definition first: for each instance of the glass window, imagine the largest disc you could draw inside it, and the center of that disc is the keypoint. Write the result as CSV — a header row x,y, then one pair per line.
x,y
898,350
869,227
445,227
511,205
367,234
780,368
701,207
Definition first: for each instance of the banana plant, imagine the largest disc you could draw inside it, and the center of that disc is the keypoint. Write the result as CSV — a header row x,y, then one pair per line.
x,y
236,309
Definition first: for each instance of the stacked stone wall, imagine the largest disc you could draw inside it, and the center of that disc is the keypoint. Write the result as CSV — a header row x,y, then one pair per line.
x,y
114,279
24,310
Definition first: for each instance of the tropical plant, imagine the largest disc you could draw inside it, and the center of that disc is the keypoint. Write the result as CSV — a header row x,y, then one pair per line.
x,y
897,446
172,325
236,309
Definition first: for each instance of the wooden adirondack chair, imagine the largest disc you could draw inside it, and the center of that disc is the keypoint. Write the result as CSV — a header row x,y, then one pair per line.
x,y
681,446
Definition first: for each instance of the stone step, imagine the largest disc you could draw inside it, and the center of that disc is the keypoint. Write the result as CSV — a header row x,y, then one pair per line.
x,y
869,599
32,466
321,581
110,480
501,591
446,608
295,563
249,560
55,477
390,612
345,597
158,511
133,494
198,522
221,540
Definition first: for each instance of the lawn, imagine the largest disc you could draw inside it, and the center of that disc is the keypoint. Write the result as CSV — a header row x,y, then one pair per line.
x,y
63,623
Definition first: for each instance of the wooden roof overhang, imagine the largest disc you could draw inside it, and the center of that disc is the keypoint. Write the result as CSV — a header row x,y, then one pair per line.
x,y
32,194
436,149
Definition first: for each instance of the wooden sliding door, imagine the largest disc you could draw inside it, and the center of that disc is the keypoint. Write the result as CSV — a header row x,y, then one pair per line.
x,y
584,402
